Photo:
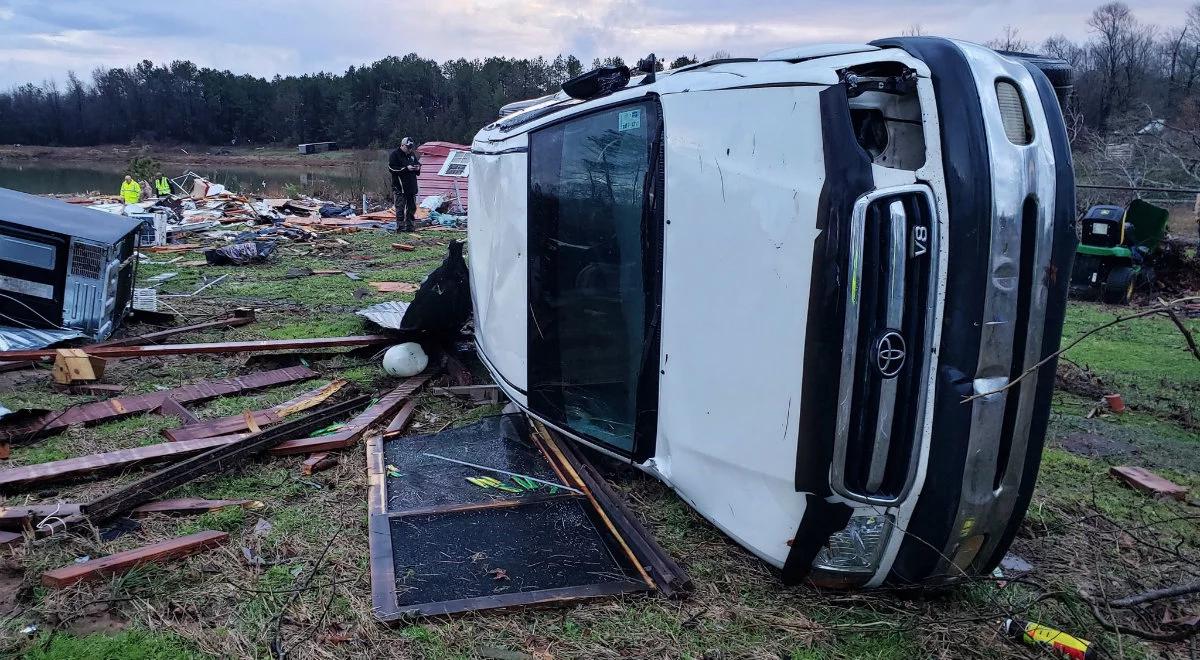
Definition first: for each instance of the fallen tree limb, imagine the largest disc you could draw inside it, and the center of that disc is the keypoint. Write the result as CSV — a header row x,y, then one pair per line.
x,y
1157,309
1187,334
1111,626
1157,594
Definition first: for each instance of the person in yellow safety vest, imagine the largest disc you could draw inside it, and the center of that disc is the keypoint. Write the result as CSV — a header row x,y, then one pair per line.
x,y
131,192
162,185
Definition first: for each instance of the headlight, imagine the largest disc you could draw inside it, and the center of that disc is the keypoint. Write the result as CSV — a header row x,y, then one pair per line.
x,y
857,548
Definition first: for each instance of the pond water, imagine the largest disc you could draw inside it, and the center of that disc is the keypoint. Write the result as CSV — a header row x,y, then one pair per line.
x,y
43,178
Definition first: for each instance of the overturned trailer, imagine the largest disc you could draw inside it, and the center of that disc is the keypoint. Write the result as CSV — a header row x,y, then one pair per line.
x,y
799,290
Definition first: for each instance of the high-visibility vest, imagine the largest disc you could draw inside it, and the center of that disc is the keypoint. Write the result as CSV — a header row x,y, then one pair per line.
x,y
131,192
163,186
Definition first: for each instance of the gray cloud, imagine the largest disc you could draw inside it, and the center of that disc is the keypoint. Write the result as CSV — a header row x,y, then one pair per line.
x,y
41,39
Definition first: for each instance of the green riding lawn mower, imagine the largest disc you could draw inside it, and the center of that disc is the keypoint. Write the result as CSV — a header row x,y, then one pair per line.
x,y
1116,251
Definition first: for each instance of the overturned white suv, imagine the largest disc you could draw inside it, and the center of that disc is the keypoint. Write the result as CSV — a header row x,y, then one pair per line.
x,y
799,290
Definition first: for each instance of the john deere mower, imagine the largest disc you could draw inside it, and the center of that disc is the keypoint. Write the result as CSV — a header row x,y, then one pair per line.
x,y
1115,250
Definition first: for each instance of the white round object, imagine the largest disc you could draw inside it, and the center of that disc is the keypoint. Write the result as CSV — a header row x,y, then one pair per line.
x,y
405,360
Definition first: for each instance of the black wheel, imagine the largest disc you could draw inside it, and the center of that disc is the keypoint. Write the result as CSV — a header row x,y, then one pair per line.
x,y
1118,286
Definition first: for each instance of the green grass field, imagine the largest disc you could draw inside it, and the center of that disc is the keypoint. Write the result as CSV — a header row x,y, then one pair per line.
x,y
1084,530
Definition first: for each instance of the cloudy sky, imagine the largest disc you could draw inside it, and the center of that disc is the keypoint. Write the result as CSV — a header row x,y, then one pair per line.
x,y
43,39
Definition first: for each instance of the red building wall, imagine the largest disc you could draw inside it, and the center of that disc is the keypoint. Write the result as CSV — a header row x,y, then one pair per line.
x,y
433,155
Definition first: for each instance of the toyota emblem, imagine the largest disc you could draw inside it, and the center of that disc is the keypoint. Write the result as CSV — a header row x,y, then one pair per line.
x,y
890,354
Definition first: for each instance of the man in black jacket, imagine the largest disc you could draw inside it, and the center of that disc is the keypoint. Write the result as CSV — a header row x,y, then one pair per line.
x,y
404,166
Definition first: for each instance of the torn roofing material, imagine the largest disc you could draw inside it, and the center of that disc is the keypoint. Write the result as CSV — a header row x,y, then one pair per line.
x,y
386,314
23,339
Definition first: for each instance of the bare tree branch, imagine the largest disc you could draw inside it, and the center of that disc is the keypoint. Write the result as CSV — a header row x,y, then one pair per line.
x,y
1157,594
1157,309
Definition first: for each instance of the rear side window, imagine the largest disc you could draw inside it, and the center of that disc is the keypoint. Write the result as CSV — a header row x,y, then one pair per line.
x,y
590,283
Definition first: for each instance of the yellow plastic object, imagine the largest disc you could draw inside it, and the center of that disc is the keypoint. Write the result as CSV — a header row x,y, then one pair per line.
x,y
1035,634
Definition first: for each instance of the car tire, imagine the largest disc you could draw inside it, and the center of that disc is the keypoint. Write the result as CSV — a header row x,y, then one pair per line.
x,y
1118,286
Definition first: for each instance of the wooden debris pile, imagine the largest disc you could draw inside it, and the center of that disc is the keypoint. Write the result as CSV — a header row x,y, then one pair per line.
x,y
318,422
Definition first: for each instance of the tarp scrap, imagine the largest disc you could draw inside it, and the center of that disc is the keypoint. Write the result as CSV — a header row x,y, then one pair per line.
x,y
240,254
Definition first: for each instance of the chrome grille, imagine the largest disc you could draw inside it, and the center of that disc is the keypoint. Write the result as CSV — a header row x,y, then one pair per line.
x,y
885,353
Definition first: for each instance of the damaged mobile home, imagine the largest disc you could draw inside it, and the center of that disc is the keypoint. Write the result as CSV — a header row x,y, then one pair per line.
x,y
800,290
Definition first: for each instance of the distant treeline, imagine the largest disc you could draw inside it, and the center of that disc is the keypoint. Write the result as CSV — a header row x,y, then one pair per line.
x,y
370,105
1125,69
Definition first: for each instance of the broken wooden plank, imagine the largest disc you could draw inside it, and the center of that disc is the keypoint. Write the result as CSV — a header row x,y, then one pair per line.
x,y
111,460
354,429
176,247
516,600
10,538
25,517
103,411
401,420
184,506
103,567
215,428
97,389
171,408
237,423
240,317
473,393
669,578
224,455
157,350
317,463
385,287
1140,478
